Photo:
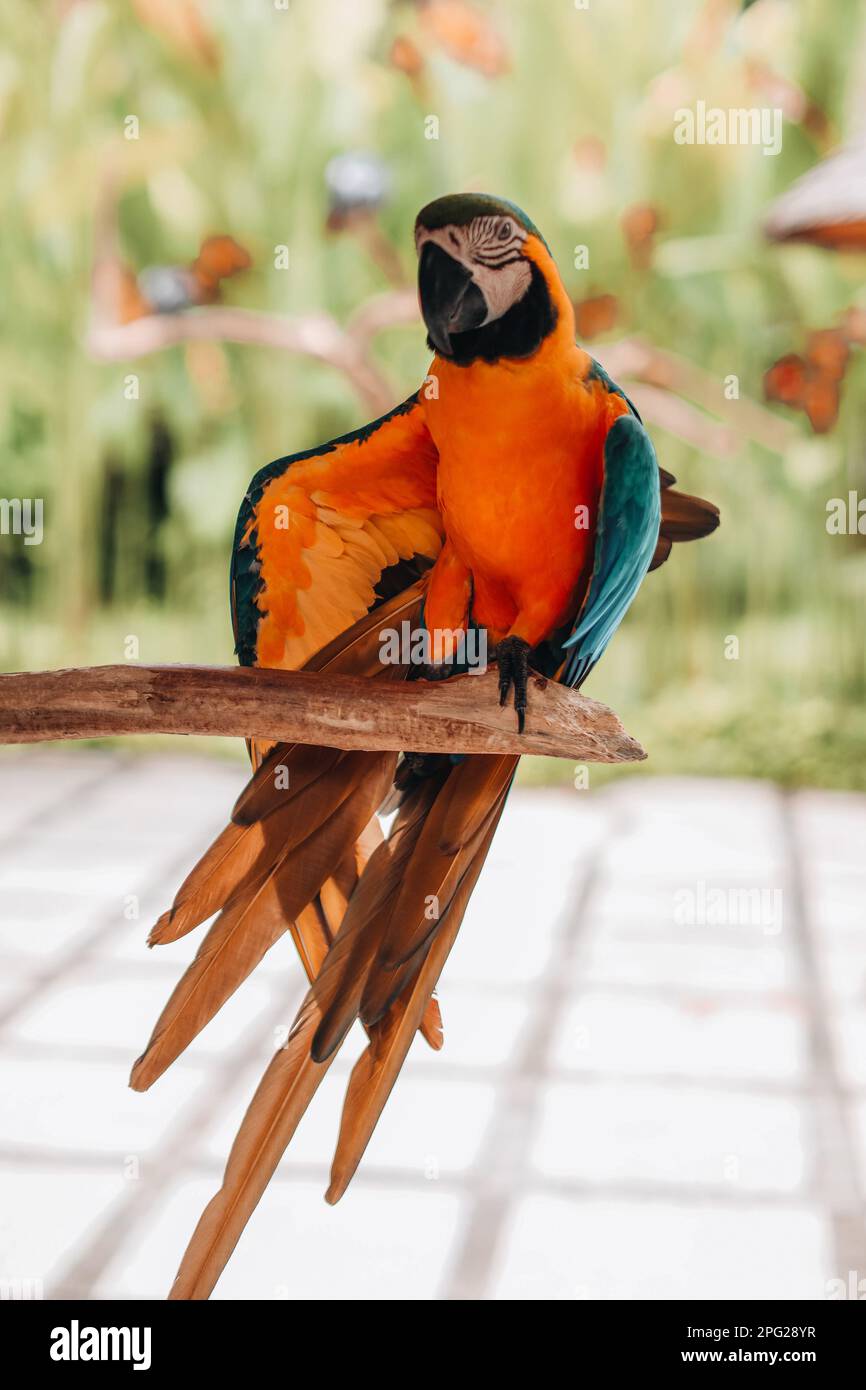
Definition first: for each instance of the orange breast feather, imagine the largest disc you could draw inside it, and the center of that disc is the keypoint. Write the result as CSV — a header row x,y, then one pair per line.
x,y
520,471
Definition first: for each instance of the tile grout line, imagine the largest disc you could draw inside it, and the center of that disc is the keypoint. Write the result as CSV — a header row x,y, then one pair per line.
x,y
117,763
836,1176
459,1182
503,1161
115,1225
81,948
759,1087
507,1175
127,1213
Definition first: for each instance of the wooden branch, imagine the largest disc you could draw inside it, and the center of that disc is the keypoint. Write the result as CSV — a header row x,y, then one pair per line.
x,y
312,335
683,420
460,715
391,309
316,335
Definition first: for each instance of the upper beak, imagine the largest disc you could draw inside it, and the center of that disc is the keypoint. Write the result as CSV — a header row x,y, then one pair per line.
x,y
451,302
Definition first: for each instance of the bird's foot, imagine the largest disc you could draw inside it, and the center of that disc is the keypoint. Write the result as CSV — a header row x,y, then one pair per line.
x,y
512,657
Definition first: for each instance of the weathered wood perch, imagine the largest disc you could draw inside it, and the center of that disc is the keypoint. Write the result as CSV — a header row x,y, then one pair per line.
x,y
460,715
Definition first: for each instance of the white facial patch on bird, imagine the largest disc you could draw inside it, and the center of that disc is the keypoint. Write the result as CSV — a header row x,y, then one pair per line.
x,y
491,249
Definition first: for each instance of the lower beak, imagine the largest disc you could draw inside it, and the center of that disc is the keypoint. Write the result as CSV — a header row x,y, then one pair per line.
x,y
451,302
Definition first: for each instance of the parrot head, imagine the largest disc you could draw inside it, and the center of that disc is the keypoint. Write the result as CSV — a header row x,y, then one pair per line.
x,y
482,290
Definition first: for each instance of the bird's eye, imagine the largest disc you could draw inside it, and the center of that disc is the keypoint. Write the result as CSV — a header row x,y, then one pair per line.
x,y
505,231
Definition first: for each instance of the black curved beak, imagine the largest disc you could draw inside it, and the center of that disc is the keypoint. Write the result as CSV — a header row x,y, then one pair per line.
x,y
451,302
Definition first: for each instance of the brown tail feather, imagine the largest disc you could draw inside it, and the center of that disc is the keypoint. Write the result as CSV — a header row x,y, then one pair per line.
x,y
290,1083
340,985
403,951
208,885
263,911
379,1065
312,936
476,784
272,1117
686,518
274,1113
661,552
288,770
431,1027
226,864
270,1121
273,818
461,809
268,876
331,904
253,871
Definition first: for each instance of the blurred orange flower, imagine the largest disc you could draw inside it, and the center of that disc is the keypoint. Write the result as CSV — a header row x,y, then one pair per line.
x,y
466,34
596,315
406,56
812,382
639,225
181,25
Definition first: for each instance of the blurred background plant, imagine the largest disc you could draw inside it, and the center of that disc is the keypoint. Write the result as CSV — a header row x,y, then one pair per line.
x,y
260,162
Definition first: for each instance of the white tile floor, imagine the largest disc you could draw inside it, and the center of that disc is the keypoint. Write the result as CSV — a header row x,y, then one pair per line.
x,y
637,1098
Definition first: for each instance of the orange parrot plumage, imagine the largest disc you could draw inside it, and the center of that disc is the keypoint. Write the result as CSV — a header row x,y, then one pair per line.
x,y
522,564
515,496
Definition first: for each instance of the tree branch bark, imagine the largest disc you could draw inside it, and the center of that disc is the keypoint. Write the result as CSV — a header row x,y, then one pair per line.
x,y
460,715
310,335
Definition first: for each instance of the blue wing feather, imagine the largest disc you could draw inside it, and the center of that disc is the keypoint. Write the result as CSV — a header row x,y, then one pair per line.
x,y
628,528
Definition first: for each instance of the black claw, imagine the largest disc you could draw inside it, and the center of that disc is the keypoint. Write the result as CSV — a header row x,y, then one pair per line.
x,y
512,654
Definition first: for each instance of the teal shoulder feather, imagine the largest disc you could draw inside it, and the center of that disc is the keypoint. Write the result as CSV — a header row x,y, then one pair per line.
x,y
628,527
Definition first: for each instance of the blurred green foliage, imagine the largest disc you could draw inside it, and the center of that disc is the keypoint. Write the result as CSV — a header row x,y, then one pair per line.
x,y
239,145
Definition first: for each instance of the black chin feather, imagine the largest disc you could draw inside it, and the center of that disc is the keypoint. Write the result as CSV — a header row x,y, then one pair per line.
x,y
518,333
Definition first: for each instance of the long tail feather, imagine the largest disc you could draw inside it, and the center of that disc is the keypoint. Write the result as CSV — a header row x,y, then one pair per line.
x,y
258,916
289,1085
274,1113
274,817
397,965
431,1027
271,870
379,1065
276,1109
228,861
288,770
312,936
340,984
461,808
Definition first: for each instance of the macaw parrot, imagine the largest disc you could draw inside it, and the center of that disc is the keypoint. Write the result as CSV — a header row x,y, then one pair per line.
x,y
515,493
